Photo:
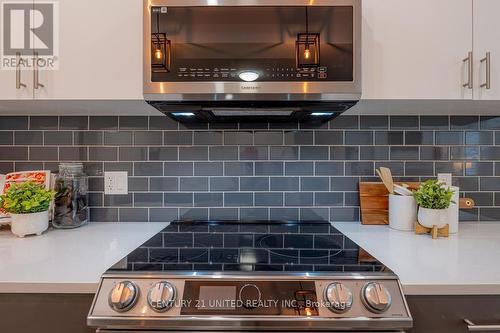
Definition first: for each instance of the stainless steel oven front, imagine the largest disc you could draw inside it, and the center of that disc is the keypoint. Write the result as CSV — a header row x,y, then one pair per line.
x,y
232,302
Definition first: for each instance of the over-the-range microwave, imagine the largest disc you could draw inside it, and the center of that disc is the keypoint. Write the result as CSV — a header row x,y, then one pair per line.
x,y
254,60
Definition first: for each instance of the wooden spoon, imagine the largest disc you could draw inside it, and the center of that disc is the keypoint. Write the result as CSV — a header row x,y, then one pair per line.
x,y
387,182
388,176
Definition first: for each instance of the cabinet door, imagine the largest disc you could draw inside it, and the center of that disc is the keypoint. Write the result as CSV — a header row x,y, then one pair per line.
x,y
446,313
414,49
486,29
100,51
16,82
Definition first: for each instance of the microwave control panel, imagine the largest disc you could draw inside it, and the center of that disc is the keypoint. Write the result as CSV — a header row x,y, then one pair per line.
x,y
280,73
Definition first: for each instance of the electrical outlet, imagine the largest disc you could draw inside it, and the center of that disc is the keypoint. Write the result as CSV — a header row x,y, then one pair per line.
x,y
444,178
115,182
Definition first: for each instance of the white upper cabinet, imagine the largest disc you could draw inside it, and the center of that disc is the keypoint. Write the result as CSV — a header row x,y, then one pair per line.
x,y
15,78
486,50
100,51
415,49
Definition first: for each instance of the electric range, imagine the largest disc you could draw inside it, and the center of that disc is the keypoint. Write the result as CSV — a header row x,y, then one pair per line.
x,y
249,276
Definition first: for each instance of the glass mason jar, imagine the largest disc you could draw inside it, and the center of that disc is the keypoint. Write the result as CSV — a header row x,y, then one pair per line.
x,y
71,208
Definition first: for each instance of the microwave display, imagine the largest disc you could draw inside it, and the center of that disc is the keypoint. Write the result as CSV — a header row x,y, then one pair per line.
x,y
240,43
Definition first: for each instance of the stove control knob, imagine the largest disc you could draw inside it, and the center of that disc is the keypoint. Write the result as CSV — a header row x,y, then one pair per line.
x,y
376,297
338,297
161,296
123,296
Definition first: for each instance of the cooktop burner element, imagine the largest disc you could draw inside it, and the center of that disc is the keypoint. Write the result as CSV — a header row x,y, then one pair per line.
x,y
249,276
279,246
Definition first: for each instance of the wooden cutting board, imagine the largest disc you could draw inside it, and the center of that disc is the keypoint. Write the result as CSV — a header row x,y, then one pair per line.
x,y
374,201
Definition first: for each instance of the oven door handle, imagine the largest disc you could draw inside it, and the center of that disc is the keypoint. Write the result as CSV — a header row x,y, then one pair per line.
x,y
481,328
156,331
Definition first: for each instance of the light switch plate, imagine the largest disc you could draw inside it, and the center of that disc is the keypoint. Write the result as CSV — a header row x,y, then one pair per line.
x,y
115,182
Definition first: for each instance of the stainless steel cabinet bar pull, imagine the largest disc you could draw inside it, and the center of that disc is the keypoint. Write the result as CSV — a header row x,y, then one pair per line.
x,y
36,83
487,59
468,84
19,84
481,328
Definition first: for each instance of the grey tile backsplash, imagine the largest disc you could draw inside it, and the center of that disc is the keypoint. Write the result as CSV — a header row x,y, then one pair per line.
x,y
255,170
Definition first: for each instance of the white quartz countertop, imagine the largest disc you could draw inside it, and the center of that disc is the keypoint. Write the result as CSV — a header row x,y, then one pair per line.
x,y
72,261
67,261
464,263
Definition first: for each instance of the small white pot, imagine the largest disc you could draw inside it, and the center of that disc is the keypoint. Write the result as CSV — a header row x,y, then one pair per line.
x,y
432,217
28,224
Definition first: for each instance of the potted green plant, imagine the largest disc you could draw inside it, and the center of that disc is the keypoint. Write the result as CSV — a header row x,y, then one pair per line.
x,y
28,205
433,198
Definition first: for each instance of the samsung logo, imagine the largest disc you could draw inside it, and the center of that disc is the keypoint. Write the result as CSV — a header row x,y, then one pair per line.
x,y
250,87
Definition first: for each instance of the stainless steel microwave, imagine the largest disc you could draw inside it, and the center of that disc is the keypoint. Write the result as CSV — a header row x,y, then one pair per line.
x,y
235,60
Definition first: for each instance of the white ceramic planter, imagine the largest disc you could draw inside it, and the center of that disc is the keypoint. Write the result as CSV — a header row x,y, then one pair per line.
x,y
402,212
432,217
28,224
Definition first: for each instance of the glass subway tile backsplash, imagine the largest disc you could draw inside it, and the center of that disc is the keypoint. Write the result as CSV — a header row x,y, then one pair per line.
x,y
256,170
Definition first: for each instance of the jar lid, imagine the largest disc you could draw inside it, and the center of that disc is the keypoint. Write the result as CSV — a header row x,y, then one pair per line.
x,y
71,166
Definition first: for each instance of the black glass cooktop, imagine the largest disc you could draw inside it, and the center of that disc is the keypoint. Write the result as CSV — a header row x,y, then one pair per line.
x,y
249,247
